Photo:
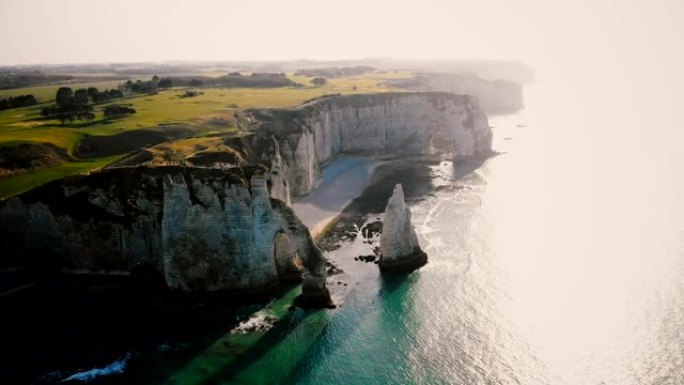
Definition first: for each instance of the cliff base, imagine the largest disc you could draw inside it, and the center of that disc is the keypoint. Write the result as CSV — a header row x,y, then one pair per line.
x,y
404,265
315,300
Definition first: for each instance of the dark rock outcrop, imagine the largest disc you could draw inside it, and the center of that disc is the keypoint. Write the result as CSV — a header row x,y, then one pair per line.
x,y
204,230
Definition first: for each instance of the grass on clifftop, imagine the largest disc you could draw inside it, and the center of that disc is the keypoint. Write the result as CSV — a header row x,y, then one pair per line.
x,y
14,185
207,113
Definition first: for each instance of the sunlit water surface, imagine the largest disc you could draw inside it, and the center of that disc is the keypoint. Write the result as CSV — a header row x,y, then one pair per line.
x,y
558,262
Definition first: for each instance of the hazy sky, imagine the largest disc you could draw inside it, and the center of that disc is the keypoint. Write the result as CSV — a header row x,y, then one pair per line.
x,y
537,31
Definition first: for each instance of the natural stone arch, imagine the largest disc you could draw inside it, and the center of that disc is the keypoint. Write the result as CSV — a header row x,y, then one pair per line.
x,y
297,240
287,259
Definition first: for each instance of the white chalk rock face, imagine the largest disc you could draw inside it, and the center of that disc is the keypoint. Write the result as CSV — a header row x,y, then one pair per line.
x,y
388,123
399,246
201,229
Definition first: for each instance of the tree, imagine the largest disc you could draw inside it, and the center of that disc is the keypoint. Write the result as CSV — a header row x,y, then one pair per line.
x,y
100,97
114,94
18,101
319,81
68,112
64,95
118,110
70,106
81,96
165,83
196,83
93,93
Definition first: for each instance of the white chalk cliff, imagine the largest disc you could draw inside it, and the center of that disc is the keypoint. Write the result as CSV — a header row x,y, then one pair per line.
x,y
399,248
201,229
388,123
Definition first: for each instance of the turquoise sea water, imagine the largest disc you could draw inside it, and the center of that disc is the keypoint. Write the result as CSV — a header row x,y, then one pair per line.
x,y
558,261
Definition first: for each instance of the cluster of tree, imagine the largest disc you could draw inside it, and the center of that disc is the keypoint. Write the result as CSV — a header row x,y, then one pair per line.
x,y
18,101
76,105
335,72
319,81
67,96
149,87
69,113
165,83
233,79
191,94
114,111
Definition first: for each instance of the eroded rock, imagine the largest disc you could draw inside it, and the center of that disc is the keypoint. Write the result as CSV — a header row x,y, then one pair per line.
x,y
399,248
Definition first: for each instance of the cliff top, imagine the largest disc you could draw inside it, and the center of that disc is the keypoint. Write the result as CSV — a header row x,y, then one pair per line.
x,y
359,100
124,181
289,119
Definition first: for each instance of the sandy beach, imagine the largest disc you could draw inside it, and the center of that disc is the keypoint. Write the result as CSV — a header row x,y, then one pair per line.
x,y
342,181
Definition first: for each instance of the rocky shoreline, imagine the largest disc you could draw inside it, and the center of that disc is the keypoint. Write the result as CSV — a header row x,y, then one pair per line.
x,y
413,173
356,231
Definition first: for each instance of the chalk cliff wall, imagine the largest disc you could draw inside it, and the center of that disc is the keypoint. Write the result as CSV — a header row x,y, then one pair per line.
x,y
387,123
202,229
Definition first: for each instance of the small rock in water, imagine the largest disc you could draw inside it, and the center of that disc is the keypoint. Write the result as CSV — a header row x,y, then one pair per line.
x,y
367,258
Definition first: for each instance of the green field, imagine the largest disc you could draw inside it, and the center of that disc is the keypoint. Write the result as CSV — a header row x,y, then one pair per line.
x,y
47,93
25,125
17,184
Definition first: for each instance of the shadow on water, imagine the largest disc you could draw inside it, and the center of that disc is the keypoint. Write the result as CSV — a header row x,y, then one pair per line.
x,y
363,317
254,366
389,283
59,325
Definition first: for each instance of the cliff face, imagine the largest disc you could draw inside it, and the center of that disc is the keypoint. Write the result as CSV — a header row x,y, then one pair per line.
x,y
399,246
494,96
406,123
202,229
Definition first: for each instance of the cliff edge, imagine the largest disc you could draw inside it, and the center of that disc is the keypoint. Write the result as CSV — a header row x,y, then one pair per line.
x,y
371,124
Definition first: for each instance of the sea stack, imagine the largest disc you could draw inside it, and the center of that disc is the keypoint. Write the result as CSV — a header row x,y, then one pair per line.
x,y
400,251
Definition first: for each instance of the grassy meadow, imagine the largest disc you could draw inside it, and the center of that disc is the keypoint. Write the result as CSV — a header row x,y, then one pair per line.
x,y
46,93
25,125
